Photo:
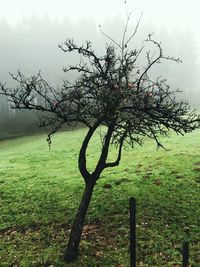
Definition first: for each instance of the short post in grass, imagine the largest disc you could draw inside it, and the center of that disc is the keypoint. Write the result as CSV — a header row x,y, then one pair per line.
x,y
185,254
132,232
186,250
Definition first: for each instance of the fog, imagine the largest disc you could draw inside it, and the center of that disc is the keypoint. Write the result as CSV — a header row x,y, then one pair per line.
x,y
30,32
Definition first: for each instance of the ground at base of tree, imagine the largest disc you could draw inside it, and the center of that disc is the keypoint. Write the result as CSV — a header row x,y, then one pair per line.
x,y
40,189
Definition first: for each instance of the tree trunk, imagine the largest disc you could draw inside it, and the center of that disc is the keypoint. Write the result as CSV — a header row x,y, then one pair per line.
x,y
71,252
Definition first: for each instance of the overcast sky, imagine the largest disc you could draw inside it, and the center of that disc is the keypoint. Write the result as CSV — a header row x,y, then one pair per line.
x,y
172,13
177,15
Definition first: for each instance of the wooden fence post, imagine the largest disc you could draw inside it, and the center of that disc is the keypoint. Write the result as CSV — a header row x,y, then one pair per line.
x,y
132,232
186,248
186,254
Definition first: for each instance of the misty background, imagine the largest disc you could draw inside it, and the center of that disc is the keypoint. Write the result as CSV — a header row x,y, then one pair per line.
x,y
30,32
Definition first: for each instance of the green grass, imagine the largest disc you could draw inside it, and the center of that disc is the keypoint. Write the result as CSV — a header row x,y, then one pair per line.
x,y
40,190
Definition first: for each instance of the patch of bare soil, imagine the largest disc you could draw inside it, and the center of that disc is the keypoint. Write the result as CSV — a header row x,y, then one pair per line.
x,y
147,175
196,169
197,163
179,177
157,182
107,186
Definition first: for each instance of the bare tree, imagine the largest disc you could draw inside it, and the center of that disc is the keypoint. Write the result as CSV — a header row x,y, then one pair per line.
x,y
110,90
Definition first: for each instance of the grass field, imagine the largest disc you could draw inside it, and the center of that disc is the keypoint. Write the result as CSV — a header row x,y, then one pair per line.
x,y
40,190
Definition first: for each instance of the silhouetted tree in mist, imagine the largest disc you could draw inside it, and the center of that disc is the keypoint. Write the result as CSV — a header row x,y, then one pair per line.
x,y
110,90
31,45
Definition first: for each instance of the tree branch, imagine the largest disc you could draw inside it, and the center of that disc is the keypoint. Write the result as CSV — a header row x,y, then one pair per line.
x,y
82,154
116,163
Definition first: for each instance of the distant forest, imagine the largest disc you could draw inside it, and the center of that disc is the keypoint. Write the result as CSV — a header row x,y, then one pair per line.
x,y
32,45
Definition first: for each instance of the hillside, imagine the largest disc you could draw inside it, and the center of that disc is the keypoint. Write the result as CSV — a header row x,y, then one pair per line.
x,y
41,189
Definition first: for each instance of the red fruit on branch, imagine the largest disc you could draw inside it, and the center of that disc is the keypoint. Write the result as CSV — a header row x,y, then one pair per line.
x,y
150,94
130,85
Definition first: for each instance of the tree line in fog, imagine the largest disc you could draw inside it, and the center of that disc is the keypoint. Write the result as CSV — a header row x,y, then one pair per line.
x,y
32,45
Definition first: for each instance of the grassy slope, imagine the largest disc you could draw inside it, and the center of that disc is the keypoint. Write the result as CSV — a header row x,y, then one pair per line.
x,y
40,191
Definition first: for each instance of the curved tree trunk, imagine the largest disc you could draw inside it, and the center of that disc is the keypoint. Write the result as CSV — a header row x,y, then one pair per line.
x,y
71,251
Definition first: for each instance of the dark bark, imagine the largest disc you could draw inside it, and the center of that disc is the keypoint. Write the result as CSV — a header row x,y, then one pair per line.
x,y
82,155
71,252
104,152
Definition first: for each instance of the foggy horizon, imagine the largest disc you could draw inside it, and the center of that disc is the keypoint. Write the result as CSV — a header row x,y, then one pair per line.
x,y
171,16
31,31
